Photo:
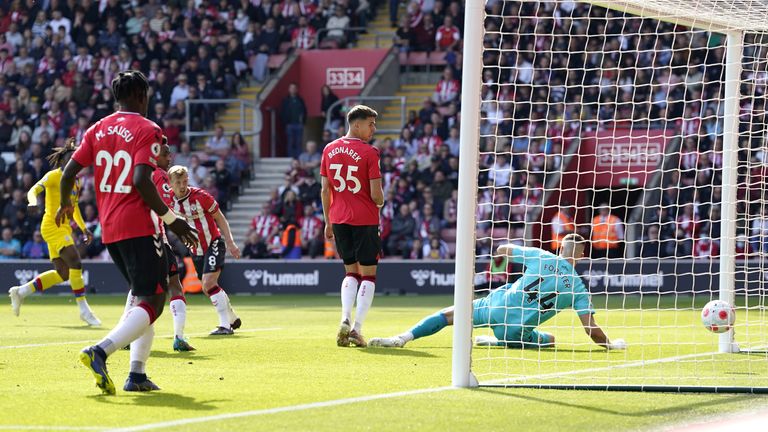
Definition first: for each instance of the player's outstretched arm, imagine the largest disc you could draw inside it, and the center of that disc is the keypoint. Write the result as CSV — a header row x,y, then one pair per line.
x,y
66,184
142,181
598,335
223,224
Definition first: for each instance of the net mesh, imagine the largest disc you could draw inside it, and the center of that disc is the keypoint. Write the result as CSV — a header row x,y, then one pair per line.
x,y
610,123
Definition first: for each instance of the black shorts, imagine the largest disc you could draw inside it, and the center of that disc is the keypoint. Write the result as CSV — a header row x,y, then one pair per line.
x,y
173,262
213,260
358,243
144,264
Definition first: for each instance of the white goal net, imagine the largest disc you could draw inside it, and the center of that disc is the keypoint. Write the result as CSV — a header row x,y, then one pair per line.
x,y
642,127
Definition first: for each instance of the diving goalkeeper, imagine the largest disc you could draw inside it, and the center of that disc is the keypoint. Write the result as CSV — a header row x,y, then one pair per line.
x,y
514,311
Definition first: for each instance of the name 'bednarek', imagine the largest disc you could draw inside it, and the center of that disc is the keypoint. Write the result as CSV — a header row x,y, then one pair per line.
x,y
345,150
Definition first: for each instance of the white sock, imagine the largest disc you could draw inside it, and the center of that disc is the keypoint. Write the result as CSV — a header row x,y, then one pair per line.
x,y
364,301
130,303
221,302
179,312
83,305
406,337
133,325
230,311
140,349
27,289
348,294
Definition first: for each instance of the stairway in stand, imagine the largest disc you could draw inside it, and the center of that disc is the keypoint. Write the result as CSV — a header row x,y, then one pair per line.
x,y
269,173
380,26
390,117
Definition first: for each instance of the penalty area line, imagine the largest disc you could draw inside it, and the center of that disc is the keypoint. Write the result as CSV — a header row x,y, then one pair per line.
x,y
168,336
290,408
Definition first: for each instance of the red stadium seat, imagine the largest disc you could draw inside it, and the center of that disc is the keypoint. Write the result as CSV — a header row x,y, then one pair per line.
x,y
275,61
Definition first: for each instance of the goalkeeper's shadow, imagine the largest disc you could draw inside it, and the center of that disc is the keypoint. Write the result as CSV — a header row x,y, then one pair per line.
x,y
402,352
584,405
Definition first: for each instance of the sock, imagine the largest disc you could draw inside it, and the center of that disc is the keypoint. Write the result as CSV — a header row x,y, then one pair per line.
x,y
428,326
130,303
140,349
78,289
179,312
364,300
133,325
220,301
42,282
348,292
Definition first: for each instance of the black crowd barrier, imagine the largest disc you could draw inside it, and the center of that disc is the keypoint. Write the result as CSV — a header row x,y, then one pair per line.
x,y
422,277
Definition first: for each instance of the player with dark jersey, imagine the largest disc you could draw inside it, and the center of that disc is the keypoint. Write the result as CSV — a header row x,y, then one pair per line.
x,y
123,148
177,302
352,196
214,238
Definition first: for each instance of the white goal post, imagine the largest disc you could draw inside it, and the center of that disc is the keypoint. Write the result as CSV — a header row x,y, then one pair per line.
x,y
669,349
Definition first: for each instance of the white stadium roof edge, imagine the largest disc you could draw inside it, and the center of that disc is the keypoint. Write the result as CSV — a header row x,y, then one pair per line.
x,y
715,15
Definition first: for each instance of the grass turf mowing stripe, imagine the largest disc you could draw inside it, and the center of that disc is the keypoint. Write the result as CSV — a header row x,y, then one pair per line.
x,y
47,344
302,407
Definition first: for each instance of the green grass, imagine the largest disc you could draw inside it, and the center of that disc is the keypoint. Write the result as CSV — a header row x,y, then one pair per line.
x,y
286,356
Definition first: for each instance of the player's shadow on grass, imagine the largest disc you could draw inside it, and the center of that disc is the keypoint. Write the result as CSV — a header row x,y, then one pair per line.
x,y
189,355
397,352
674,408
160,399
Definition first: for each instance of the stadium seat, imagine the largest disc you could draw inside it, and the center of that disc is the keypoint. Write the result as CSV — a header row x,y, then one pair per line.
x,y
275,61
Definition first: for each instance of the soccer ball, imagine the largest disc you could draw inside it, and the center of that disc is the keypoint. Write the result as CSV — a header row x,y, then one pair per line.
x,y
718,316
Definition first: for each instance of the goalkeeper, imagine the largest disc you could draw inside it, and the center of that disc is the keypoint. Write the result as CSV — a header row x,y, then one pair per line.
x,y
514,311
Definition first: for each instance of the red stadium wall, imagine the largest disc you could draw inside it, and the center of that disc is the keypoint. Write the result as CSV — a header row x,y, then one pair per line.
x,y
346,71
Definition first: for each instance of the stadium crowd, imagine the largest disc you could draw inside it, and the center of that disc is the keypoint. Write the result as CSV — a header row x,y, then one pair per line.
x,y
55,70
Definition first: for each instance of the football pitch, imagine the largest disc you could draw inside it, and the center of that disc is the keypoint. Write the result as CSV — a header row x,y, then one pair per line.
x,y
282,371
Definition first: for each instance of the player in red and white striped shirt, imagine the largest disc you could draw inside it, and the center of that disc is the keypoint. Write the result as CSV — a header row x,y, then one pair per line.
x,y
198,206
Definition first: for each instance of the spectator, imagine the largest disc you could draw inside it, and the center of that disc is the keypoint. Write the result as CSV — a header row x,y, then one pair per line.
x,y
651,246
403,230
404,36
429,224
265,223
293,113
197,172
224,183
10,248
239,161
436,249
336,27
424,34
759,237
290,239
309,160
180,91
309,191
184,155
311,228
447,89
607,234
35,247
329,109
255,247
447,37
217,147
303,36
416,251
